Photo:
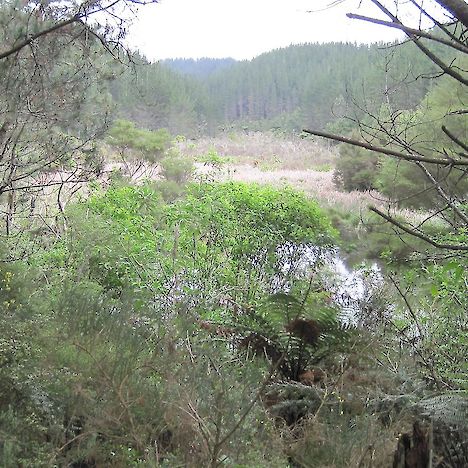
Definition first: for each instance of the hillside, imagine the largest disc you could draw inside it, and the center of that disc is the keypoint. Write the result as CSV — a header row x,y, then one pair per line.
x,y
309,85
198,67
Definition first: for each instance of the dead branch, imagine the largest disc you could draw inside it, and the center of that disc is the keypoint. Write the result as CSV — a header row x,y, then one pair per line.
x,y
410,31
389,152
418,234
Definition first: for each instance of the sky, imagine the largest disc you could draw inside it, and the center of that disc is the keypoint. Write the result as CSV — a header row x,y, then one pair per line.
x,y
243,29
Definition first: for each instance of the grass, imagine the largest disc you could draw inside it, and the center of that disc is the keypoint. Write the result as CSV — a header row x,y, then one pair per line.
x,y
265,150
304,164
264,158
319,185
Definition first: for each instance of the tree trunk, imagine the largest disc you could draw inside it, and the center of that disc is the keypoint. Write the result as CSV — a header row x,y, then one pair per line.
x,y
412,450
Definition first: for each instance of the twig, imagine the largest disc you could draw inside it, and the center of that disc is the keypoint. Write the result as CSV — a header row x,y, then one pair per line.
x,y
387,151
266,381
418,234
410,31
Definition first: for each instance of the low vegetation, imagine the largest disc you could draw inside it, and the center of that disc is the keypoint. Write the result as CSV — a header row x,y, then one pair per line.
x,y
267,151
192,333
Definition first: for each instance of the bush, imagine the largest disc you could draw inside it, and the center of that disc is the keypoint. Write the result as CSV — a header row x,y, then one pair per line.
x,y
356,169
170,190
104,361
148,145
406,184
176,168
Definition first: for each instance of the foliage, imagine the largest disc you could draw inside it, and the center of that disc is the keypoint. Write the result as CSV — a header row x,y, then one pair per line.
x,y
200,332
146,144
279,215
289,88
213,158
356,169
310,85
342,440
154,97
240,228
291,334
88,386
176,168
407,183
94,379
54,103
439,321
170,190
220,237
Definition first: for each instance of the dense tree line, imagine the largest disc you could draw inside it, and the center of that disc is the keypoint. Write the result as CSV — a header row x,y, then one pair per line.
x,y
310,84
155,96
198,67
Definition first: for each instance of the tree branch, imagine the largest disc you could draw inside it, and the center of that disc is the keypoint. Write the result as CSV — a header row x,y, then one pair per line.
x,y
410,31
443,194
455,139
85,10
387,151
418,234
457,8
437,23
33,37
445,68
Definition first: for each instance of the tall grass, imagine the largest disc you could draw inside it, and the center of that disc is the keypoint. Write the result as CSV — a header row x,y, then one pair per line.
x,y
265,150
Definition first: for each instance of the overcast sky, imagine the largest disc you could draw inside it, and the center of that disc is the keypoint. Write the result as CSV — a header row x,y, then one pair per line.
x,y
243,29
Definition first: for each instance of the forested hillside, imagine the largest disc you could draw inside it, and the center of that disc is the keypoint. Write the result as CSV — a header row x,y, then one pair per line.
x,y
315,84
299,86
198,67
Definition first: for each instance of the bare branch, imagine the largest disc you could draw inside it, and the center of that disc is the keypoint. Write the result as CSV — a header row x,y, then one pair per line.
x,y
443,194
457,8
437,23
455,139
444,67
410,31
387,151
418,234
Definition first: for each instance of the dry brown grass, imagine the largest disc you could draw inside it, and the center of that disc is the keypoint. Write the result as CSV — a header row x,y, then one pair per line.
x,y
266,158
265,150
254,157
319,185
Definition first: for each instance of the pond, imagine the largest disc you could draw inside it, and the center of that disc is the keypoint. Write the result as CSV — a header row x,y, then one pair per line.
x,y
350,288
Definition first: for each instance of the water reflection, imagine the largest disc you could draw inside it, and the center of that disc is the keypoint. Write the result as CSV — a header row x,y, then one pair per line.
x,y
352,289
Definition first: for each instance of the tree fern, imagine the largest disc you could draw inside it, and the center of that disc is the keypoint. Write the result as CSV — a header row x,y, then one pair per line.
x,y
299,333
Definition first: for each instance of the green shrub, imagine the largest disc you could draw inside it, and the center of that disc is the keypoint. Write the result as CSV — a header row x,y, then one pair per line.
x,y
170,190
213,158
433,301
148,145
356,169
176,168
405,183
